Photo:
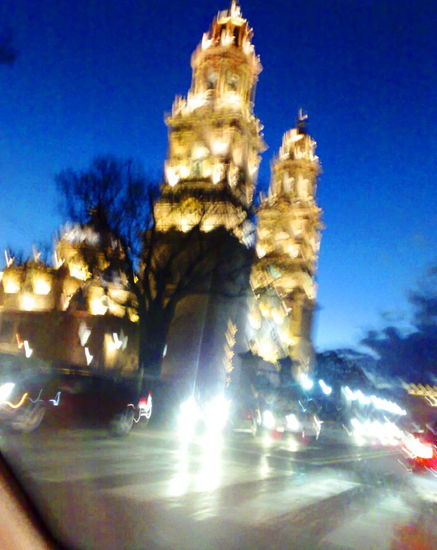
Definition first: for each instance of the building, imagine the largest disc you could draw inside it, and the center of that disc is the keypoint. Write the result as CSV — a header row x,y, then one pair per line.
x,y
287,247
263,303
215,139
215,143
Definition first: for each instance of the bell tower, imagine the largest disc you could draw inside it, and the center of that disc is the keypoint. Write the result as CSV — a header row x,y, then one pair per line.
x,y
288,241
214,138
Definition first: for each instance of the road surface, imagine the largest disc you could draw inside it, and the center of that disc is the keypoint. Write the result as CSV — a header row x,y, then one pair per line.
x,y
152,490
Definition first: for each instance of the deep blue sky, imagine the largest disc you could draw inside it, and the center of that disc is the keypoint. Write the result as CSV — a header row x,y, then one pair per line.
x,y
97,76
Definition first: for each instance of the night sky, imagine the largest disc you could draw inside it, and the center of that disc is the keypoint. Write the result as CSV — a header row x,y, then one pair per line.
x,y
96,77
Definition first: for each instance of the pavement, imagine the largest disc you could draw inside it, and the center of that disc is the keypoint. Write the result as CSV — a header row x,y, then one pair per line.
x,y
152,490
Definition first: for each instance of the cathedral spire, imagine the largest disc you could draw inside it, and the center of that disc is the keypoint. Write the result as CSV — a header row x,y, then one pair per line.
x,y
215,140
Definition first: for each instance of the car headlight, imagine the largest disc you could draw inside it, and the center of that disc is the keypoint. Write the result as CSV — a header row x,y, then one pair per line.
x,y
5,391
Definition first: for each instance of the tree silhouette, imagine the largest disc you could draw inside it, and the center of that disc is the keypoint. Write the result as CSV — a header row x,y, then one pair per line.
x,y
116,199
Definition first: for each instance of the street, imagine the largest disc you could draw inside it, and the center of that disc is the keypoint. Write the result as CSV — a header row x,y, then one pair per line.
x,y
152,490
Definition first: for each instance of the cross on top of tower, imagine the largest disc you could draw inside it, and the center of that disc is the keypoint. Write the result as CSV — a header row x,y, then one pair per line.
x,y
302,120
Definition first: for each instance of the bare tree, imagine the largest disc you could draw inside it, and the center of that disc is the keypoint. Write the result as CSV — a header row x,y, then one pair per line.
x,y
160,268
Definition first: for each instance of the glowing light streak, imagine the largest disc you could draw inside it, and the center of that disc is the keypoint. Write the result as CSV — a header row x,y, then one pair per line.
x,y
120,342
385,432
206,41
8,259
88,356
378,402
57,261
37,398
20,402
27,349
56,400
327,390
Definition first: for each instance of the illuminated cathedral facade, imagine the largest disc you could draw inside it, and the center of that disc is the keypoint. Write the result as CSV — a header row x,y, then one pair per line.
x,y
215,143
214,152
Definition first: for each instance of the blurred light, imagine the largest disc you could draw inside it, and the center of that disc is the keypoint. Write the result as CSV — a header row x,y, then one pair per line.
x,y
97,306
27,349
55,401
78,271
377,402
41,285
305,381
269,421
293,423
119,341
292,445
384,432
88,356
84,333
264,467
11,285
416,448
187,418
217,413
6,390
327,390
27,302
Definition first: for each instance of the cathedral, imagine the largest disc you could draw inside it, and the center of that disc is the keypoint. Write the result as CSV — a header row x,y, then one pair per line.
x,y
215,144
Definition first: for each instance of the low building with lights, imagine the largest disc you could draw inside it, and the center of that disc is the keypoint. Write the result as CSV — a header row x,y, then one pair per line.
x,y
65,316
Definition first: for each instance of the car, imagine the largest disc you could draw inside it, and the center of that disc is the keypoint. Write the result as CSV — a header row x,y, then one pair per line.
x,y
69,399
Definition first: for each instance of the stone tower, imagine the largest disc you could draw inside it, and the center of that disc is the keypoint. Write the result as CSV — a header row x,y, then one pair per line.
x,y
214,138
214,150
288,241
